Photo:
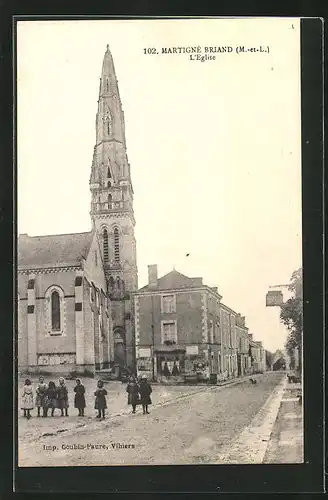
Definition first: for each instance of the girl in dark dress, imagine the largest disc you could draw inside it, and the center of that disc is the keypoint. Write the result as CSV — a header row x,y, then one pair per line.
x,y
79,399
50,399
62,397
100,402
133,393
145,392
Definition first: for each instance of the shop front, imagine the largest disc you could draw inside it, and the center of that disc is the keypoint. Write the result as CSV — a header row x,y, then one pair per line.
x,y
170,365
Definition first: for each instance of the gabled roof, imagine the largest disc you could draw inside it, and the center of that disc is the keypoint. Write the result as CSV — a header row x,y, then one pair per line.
x,y
174,280
52,250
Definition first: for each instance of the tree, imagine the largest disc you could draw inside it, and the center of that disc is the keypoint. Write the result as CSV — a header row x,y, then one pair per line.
x,y
291,315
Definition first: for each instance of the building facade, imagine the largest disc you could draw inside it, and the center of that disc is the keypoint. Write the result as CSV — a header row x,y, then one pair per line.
x,y
74,290
177,328
182,330
244,359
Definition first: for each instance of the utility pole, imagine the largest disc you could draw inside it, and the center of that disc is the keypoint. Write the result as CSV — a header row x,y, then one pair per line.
x,y
153,338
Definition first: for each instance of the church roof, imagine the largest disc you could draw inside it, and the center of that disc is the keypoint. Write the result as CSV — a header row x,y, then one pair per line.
x,y
55,249
175,280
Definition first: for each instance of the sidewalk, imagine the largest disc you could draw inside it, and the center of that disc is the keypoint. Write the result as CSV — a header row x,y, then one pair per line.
x,y
286,440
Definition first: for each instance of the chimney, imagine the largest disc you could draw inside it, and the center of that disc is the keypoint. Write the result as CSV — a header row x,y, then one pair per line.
x,y
152,276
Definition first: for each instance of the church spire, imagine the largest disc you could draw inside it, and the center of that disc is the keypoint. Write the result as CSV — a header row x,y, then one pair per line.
x,y
110,117
110,180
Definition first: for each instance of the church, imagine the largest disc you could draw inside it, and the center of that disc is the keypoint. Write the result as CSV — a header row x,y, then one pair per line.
x,y
75,290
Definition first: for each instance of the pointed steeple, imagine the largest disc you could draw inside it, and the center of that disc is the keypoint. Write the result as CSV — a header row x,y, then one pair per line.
x,y
110,116
108,81
110,180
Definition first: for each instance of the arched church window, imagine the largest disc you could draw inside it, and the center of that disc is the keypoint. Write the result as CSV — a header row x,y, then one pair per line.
x,y
105,236
109,175
116,245
111,283
109,184
118,283
110,199
55,311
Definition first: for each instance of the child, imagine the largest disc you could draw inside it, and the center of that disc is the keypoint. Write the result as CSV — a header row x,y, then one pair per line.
x,y
50,400
79,399
40,395
145,391
100,403
62,397
133,393
27,398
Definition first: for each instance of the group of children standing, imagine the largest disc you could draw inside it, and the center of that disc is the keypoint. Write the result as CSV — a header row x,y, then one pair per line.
x,y
48,397
51,397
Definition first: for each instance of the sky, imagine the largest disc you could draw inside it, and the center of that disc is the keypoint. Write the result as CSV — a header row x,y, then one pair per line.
x,y
214,146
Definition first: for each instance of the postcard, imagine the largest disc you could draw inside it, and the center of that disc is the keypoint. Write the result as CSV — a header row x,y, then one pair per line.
x,y
159,278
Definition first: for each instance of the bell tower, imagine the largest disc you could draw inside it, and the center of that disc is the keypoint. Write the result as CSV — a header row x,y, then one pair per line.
x,y
112,207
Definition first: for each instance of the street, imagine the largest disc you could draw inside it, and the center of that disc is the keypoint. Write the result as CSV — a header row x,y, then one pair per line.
x,y
186,425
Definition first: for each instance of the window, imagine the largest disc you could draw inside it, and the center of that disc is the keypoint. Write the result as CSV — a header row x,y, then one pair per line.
x,y
168,304
107,85
169,332
108,128
109,184
110,199
211,332
116,245
96,258
55,311
105,236
118,283
111,282
108,172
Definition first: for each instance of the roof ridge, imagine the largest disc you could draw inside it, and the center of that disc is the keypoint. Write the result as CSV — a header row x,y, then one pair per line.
x,y
56,234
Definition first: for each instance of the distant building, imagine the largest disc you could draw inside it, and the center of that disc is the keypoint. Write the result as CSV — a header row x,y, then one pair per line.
x,y
243,351
258,356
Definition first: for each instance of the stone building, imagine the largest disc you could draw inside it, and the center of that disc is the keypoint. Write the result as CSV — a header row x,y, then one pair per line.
x,y
243,351
183,329
74,290
229,342
258,355
177,327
